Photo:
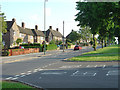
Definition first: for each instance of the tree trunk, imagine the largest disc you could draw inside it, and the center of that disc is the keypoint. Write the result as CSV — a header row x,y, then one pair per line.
x,y
109,39
118,39
102,43
94,45
105,43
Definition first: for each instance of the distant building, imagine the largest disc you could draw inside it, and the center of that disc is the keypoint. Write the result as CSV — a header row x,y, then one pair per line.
x,y
53,34
15,31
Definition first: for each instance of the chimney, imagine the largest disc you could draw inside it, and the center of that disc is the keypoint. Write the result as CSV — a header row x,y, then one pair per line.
x,y
23,24
36,27
57,29
50,27
13,19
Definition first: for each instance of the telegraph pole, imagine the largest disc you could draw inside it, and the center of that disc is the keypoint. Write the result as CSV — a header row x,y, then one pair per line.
x,y
63,36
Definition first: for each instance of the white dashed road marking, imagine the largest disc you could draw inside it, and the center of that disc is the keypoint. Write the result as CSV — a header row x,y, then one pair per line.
x,y
112,72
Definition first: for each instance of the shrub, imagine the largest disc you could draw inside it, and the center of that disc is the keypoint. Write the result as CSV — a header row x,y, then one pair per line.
x,y
51,47
19,40
5,53
52,42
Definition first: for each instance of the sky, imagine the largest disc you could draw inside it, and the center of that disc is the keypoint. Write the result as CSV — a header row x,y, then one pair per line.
x,y
31,12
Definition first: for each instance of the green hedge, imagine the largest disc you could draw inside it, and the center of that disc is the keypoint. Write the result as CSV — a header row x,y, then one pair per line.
x,y
31,44
51,47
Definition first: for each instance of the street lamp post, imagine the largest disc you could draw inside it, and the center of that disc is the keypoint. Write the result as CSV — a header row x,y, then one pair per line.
x,y
44,24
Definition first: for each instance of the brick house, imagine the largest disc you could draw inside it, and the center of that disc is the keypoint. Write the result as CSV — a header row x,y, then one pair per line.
x,y
14,32
53,34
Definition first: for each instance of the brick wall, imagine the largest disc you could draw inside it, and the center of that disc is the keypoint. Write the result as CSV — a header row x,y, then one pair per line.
x,y
22,51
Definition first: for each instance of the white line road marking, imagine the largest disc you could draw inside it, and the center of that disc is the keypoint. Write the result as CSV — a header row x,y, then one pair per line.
x,y
40,69
104,66
22,73
17,75
52,72
9,78
87,66
75,72
28,73
40,77
85,73
112,72
95,66
71,66
14,78
94,74
35,69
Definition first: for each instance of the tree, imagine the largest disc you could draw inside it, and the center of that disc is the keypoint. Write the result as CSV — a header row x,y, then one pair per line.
x,y
3,27
87,17
19,40
85,33
73,36
3,23
95,15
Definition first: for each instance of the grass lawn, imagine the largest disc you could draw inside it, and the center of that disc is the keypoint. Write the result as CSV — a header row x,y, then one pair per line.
x,y
15,85
109,53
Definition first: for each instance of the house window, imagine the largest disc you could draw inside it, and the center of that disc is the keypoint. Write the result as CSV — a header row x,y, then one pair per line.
x,y
41,38
21,35
31,37
14,33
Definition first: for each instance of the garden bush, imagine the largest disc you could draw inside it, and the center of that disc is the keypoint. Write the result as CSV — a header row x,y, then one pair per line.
x,y
51,47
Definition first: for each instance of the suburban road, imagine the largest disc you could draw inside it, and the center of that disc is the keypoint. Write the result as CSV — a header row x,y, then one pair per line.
x,y
51,71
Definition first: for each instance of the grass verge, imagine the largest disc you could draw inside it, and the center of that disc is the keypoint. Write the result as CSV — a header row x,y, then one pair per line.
x,y
109,53
15,85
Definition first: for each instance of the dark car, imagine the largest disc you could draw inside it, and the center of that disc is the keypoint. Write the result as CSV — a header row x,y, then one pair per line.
x,y
77,47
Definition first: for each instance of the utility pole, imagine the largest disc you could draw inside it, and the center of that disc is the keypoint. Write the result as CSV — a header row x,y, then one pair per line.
x,y
63,36
45,24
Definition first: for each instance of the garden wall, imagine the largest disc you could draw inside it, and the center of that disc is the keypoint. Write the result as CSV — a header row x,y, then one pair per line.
x,y
13,52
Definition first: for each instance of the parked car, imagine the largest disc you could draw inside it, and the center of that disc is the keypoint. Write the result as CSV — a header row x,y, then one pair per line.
x,y
77,47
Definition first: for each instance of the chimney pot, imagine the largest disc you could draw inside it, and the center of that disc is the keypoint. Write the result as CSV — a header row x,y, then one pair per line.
x,y
36,27
50,27
57,29
23,24
13,19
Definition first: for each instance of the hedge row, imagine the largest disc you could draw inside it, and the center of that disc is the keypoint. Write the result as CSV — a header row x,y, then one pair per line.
x,y
31,44
51,47
37,45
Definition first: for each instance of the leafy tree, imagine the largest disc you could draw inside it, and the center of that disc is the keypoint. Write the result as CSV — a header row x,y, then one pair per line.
x,y
95,15
19,40
3,23
3,27
73,36
85,33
